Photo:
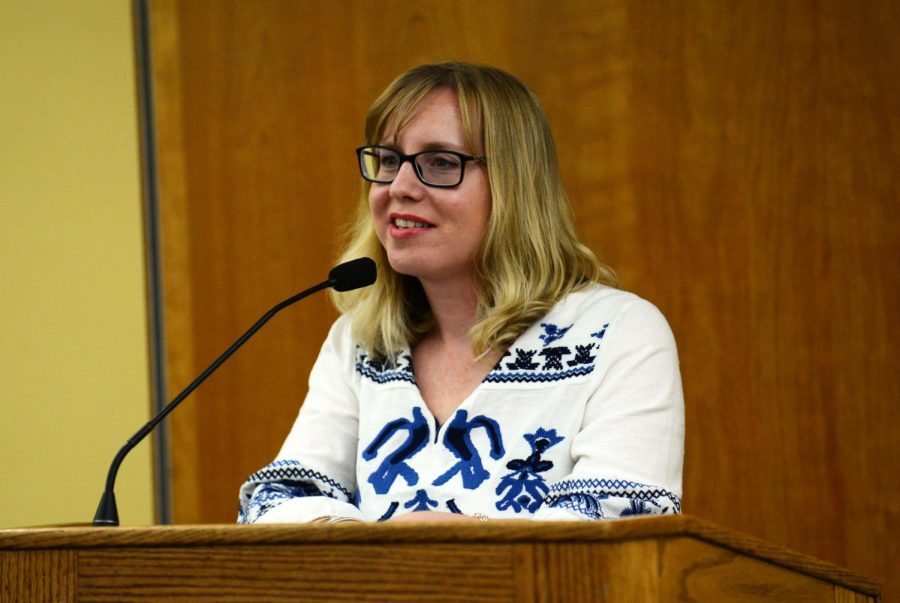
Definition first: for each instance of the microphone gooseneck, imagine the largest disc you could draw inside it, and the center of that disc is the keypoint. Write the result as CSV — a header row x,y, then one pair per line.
x,y
344,277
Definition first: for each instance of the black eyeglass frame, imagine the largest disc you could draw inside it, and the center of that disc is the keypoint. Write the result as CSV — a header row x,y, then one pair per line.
x,y
416,167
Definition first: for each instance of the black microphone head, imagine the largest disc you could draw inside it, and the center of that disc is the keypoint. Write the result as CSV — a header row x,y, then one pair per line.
x,y
351,275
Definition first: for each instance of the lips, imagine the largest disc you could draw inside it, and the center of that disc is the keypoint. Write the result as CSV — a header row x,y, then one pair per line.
x,y
408,222
406,226
401,223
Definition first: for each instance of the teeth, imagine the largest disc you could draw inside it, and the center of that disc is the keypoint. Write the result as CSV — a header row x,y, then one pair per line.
x,y
401,223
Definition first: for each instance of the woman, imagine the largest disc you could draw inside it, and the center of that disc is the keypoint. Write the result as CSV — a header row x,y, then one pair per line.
x,y
493,370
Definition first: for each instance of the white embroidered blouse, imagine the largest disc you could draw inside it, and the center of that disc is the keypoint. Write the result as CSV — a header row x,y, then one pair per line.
x,y
582,418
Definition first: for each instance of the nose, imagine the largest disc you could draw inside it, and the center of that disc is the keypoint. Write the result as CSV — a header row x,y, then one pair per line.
x,y
407,183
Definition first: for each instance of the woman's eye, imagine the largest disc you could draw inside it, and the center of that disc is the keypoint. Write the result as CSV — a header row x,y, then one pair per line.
x,y
443,162
389,160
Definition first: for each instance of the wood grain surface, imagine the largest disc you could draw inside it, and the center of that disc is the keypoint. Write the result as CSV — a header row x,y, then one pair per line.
x,y
736,162
641,559
542,541
38,575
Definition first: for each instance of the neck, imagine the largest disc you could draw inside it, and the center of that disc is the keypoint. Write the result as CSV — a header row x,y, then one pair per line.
x,y
453,304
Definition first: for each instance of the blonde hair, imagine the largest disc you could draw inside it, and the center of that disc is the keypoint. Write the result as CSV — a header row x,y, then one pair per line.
x,y
530,257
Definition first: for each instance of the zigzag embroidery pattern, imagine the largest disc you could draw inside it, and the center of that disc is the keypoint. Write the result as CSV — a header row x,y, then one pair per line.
x,y
521,377
286,470
615,487
547,364
385,376
385,370
517,365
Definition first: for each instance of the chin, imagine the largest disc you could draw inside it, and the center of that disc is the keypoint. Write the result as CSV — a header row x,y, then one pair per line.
x,y
410,266
406,268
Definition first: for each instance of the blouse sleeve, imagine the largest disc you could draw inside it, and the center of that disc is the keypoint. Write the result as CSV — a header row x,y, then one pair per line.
x,y
629,452
313,475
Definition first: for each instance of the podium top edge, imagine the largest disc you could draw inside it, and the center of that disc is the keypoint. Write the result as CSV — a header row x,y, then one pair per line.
x,y
501,531
491,532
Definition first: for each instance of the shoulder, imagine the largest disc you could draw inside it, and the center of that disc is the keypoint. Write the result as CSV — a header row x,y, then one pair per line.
x,y
587,328
354,358
606,313
340,330
592,314
339,342
596,301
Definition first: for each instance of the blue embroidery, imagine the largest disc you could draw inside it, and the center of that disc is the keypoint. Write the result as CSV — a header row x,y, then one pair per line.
x,y
501,377
588,505
553,357
552,332
390,512
582,355
269,496
597,498
287,470
525,489
381,370
394,464
280,481
558,361
599,334
636,507
421,502
523,360
458,440
543,439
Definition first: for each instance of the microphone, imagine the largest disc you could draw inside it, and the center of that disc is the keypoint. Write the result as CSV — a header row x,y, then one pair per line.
x,y
348,276
351,275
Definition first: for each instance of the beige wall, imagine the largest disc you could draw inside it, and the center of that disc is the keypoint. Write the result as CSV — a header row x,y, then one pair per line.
x,y
73,353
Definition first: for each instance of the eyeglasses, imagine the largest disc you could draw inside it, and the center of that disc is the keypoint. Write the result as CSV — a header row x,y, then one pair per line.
x,y
443,169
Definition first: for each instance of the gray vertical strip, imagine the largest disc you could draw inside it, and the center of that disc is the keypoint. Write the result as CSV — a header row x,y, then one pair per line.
x,y
150,177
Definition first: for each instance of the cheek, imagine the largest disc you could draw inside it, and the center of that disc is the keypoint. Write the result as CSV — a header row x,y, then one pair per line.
x,y
377,209
374,202
378,205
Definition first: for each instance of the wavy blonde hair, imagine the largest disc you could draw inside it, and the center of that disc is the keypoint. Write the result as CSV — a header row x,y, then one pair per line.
x,y
530,257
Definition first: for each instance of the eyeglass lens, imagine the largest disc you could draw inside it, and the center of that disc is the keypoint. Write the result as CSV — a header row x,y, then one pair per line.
x,y
439,168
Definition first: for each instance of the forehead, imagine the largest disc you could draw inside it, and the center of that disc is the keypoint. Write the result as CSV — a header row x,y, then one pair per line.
x,y
461,116
436,116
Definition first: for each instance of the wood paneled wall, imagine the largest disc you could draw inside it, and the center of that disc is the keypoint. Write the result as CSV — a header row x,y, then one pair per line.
x,y
736,162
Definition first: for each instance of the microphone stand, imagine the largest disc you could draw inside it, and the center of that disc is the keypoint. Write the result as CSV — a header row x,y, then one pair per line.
x,y
107,513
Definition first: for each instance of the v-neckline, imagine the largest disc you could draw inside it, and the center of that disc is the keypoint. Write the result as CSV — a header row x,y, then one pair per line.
x,y
464,404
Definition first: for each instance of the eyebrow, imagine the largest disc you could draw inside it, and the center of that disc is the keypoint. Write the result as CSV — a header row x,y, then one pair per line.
x,y
430,146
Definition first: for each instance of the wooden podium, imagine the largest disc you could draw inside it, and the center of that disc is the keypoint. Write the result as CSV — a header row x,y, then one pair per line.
x,y
675,558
